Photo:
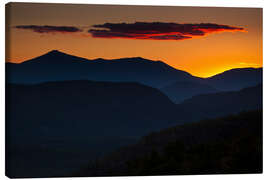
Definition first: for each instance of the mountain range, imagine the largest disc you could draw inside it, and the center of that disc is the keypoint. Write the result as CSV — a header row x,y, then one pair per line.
x,y
178,85
66,111
56,66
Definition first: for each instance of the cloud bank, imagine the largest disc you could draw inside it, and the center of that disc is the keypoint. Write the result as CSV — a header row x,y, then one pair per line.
x,y
49,29
139,30
158,30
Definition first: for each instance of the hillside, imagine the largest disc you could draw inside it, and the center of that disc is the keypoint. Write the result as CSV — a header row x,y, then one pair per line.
x,y
69,123
232,144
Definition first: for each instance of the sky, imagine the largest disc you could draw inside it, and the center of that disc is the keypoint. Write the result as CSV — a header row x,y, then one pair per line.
x,y
203,41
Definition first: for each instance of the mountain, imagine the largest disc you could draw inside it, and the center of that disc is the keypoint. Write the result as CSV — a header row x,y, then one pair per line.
x,y
58,66
81,103
64,124
126,108
235,79
179,91
221,103
227,145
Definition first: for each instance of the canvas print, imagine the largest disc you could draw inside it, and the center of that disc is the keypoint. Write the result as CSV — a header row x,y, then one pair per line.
x,y
117,90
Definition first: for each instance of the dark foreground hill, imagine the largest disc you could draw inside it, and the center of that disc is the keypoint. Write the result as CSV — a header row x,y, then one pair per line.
x,y
232,144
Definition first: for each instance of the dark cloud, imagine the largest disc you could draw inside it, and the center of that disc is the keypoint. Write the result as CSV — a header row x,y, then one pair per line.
x,y
49,29
157,30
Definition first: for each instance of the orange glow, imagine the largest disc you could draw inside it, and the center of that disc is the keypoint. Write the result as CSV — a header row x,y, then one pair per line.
x,y
201,56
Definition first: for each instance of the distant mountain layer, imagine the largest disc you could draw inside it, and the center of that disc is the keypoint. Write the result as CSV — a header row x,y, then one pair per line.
x,y
231,144
179,91
57,66
222,103
176,84
231,80
236,79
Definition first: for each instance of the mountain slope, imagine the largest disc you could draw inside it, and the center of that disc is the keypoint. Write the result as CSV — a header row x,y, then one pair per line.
x,y
179,91
235,79
69,103
66,124
222,103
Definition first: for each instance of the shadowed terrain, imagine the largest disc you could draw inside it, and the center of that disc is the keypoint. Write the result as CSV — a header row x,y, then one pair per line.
x,y
74,122
232,144
179,91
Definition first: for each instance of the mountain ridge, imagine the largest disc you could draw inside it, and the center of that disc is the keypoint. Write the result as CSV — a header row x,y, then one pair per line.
x,y
58,66
60,53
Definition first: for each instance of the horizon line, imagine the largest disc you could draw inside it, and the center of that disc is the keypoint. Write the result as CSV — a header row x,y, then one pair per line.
x,y
61,52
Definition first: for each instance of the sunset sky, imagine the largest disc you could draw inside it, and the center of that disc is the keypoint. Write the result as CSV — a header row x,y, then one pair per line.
x,y
201,41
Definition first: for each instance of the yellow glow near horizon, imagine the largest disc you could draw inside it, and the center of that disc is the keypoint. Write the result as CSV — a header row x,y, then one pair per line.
x,y
203,57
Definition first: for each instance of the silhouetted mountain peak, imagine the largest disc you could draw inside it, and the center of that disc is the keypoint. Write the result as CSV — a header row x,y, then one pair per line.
x,y
54,57
55,53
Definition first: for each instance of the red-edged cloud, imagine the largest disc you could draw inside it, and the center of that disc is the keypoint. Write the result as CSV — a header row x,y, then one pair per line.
x,y
158,30
49,29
